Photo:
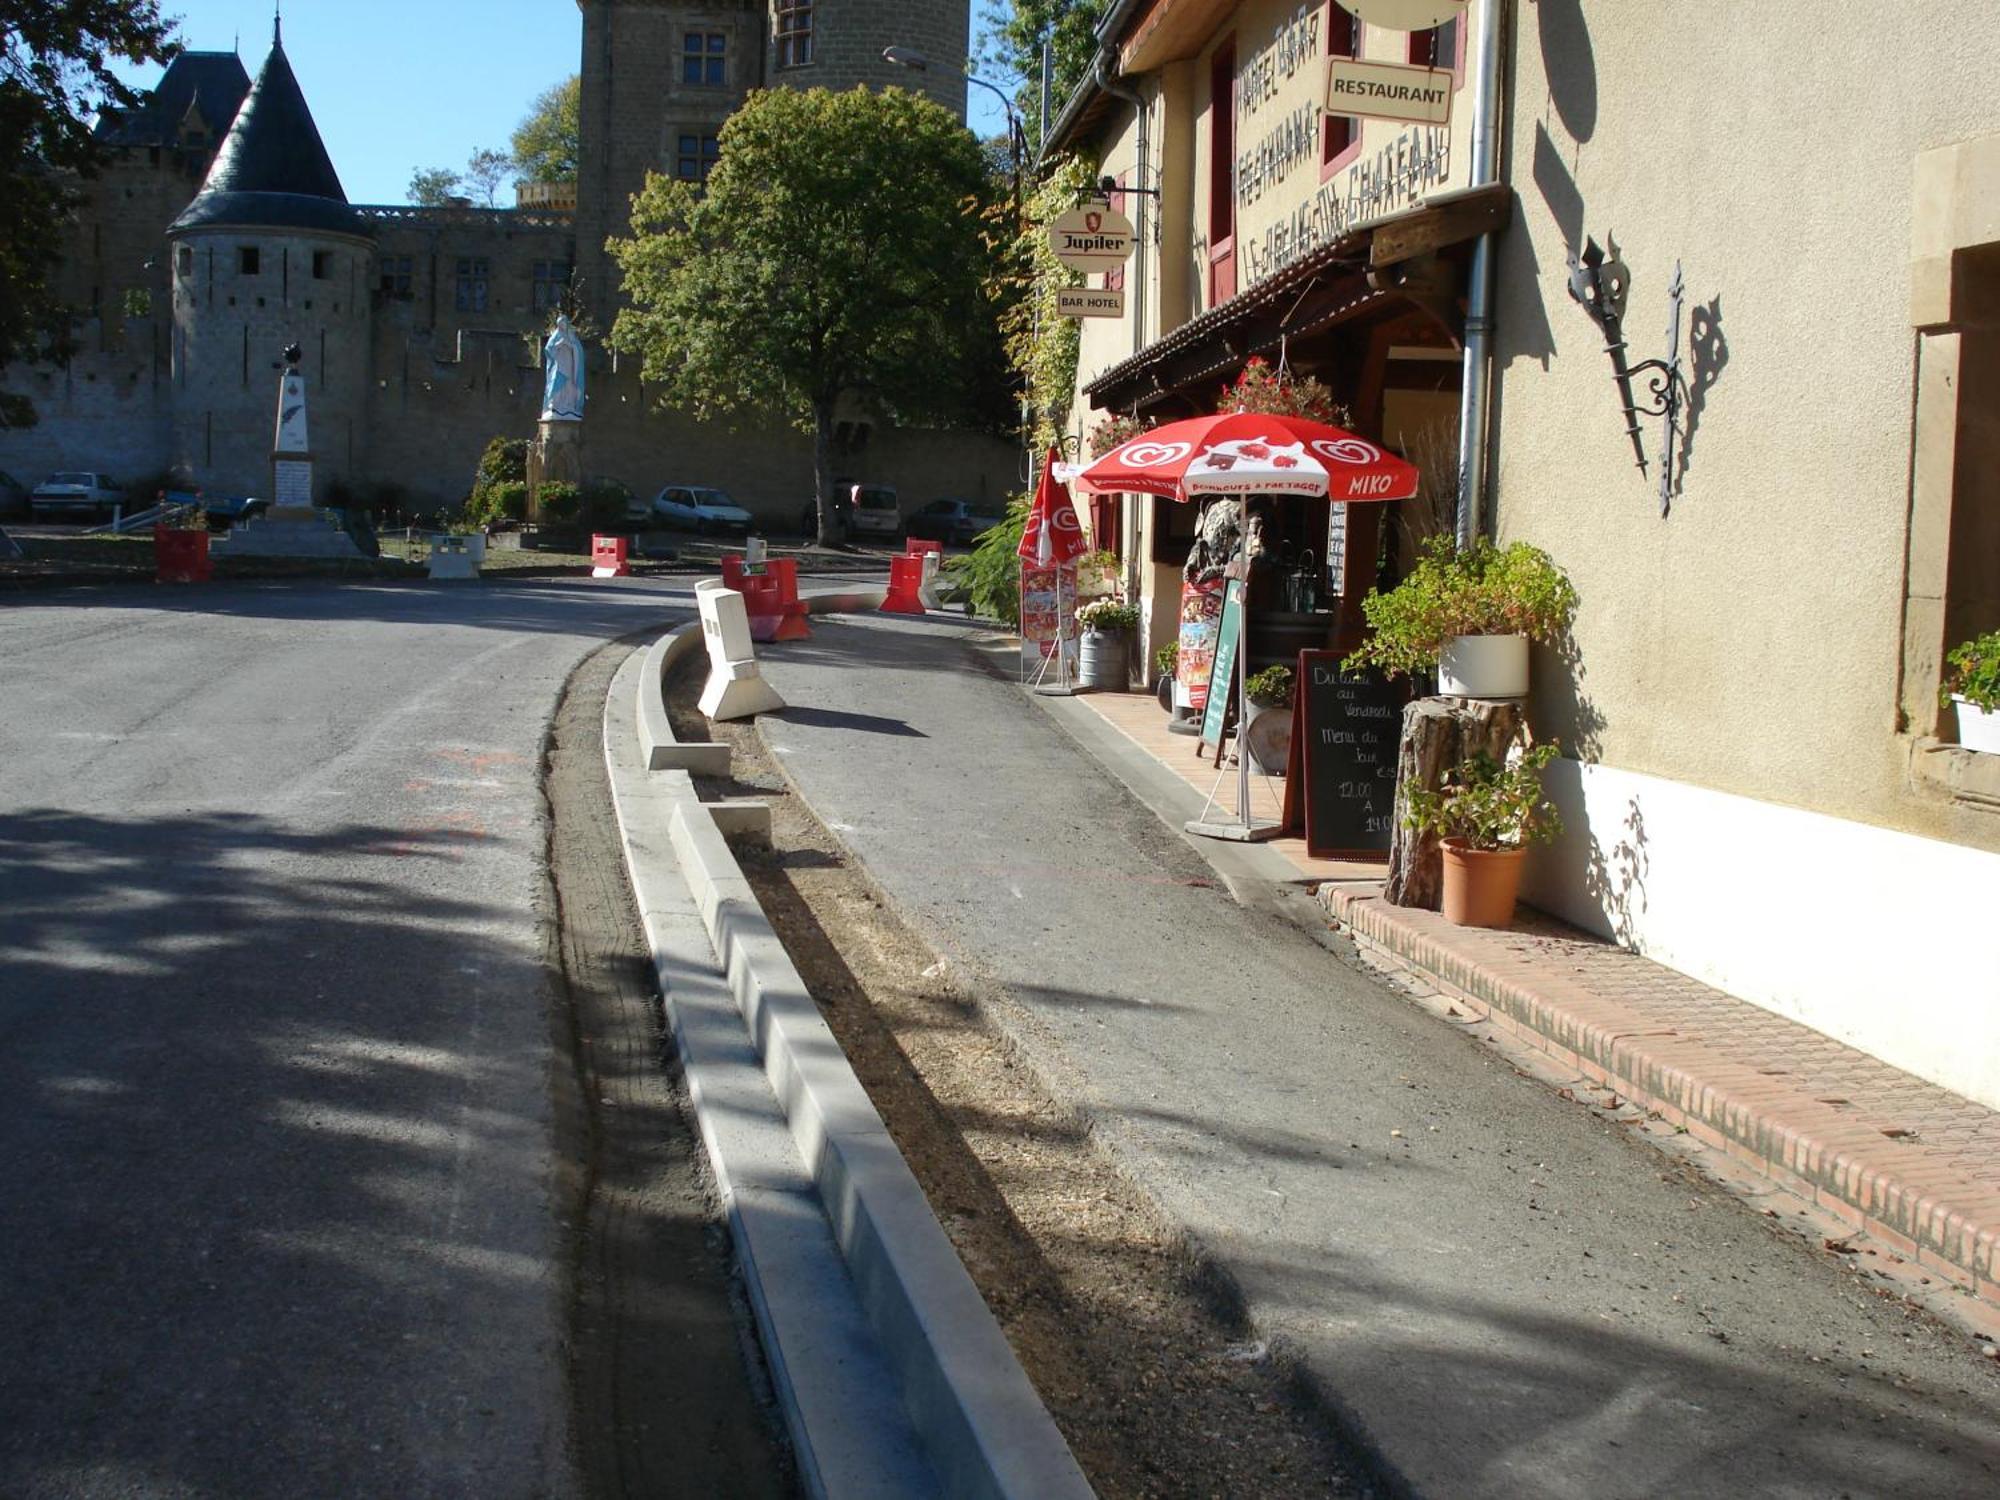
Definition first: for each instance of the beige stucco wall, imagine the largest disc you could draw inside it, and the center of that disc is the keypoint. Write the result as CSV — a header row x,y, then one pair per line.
x,y
1749,642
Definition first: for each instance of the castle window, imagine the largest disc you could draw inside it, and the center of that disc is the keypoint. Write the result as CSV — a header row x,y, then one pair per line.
x,y
696,157
794,32
551,276
247,260
471,295
184,261
704,57
394,271
1339,134
322,265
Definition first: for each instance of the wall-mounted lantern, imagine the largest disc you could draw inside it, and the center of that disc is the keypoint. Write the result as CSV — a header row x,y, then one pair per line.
x,y
1601,283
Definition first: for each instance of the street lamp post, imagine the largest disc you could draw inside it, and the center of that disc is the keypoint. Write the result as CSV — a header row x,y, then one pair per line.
x,y
916,62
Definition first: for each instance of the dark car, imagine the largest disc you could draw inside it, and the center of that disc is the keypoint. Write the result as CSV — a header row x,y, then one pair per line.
x,y
13,496
951,521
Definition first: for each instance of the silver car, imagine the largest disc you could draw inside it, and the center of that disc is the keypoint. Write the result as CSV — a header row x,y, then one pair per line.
x,y
698,508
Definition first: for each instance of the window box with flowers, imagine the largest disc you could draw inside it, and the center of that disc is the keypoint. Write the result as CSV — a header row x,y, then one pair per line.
x,y
1972,683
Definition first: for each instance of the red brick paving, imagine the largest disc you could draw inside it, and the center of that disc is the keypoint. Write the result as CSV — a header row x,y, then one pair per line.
x,y
1914,1166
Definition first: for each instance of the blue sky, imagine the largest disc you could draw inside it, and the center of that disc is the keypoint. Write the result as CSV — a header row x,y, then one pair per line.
x,y
401,84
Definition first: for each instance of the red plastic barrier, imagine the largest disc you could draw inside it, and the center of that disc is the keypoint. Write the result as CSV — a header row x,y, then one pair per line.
x,y
610,557
784,575
732,571
180,556
906,579
917,547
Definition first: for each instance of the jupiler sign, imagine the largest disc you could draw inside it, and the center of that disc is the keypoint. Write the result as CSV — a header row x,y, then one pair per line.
x,y
1095,237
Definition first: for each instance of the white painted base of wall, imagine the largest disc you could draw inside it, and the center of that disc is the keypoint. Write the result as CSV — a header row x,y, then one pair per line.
x,y
1882,940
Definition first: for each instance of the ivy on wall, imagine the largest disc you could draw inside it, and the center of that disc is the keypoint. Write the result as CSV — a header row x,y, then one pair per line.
x,y
1041,344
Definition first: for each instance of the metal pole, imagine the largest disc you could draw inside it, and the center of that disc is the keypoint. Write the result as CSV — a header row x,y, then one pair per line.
x,y
1476,386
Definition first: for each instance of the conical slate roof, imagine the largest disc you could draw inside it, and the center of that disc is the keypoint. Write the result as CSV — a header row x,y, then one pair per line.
x,y
273,171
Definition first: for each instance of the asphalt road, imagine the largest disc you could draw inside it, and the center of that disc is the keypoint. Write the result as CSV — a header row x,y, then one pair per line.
x,y
275,1146
1501,1294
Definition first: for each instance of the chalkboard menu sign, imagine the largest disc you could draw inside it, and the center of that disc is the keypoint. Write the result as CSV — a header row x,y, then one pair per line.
x,y
1349,726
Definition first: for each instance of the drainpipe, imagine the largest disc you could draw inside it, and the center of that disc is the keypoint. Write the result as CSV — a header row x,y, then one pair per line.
x,y
1476,387
1109,82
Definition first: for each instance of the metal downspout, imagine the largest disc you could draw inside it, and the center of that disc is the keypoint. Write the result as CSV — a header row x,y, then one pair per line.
x,y
1476,386
1101,71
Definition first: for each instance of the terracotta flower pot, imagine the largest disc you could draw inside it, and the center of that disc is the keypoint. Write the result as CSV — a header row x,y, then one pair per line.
x,y
1480,885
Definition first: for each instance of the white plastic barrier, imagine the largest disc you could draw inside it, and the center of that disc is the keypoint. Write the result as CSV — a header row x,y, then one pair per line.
x,y
735,688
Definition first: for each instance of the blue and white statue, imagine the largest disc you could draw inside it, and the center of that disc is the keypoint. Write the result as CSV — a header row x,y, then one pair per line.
x,y
562,374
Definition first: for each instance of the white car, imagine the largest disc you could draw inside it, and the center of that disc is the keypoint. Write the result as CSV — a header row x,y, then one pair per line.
x,y
875,511
61,493
697,508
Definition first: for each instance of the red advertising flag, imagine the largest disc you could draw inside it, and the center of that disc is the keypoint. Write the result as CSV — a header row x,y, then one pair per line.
x,y
1054,535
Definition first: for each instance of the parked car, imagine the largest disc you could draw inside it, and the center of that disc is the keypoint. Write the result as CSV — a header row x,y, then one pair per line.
x,y
75,493
876,512
698,508
223,511
954,522
13,496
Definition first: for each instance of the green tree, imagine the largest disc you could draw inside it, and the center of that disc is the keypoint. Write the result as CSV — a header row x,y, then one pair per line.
x,y
485,172
54,75
547,141
837,250
1012,38
432,187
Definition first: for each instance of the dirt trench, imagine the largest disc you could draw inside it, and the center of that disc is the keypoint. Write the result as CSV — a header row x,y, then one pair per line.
x,y
1137,1350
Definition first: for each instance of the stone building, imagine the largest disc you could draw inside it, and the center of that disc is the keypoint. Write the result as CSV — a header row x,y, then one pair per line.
x,y
220,233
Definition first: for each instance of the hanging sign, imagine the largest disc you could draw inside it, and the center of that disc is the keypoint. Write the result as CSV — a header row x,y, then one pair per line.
x,y
1095,237
1090,302
1407,15
1388,91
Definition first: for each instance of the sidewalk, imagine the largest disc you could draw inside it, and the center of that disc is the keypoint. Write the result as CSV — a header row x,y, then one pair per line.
x,y
1911,1167
1495,1292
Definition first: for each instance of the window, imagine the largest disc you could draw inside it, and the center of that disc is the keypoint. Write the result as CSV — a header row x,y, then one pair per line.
x,y
1435,47
184,261
703,57
322,265
471,295
696,156
1222,174
551,277
1339,134
247,260
794,31
395,277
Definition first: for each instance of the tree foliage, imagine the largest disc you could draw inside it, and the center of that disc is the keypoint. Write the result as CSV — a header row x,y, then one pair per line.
x,y
54,76
485,173
837,251
548,139
432,187
1012,39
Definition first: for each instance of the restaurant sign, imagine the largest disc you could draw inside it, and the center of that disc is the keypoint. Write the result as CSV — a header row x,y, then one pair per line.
x,y
1095,237
1090,302
1388,91
1407,15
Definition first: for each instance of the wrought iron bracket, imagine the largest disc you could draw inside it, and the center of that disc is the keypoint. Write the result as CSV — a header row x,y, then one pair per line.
x,y
1600,282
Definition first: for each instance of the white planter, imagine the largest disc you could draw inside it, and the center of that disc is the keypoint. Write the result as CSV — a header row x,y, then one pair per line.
x,y
1978,728
1267,735
1484,666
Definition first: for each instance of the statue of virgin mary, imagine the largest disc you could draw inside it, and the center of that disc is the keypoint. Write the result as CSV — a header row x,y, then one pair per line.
x,y
562,374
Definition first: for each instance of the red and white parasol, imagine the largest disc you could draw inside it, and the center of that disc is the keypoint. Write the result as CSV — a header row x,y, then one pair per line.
x,y
1054,535
1248,453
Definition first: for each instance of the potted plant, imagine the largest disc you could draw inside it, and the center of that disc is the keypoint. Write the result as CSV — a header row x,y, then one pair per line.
x,y
1973,684
180,545
1267,719
1107,643
1470,612
1097,575
1165,660
1485,816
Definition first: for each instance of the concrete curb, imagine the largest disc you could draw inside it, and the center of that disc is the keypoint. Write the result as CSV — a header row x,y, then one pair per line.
x,y
981,1423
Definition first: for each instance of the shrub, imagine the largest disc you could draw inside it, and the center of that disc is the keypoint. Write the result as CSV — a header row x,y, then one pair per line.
x,y
1975,671
506,501
1482,590
1167,658
558,502
604,504
991,571
1489,804
1107,614
1271,688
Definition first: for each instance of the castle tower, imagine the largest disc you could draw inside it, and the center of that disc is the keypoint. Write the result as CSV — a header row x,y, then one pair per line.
x,y
267,255
661,76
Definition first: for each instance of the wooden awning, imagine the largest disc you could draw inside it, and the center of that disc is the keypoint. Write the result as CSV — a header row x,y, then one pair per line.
x,y
1376,269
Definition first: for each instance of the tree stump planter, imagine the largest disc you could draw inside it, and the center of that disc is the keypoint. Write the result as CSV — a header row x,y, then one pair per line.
x,y
1439,734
